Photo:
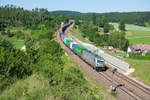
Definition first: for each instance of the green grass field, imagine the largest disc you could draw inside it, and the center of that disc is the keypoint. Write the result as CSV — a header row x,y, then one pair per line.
x,y
142,71
17,43
78,35
137,34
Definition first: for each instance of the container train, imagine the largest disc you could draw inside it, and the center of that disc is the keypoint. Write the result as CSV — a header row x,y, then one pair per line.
x,y
94,60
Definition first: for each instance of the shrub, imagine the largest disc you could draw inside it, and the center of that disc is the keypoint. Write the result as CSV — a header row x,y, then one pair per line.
x,y
14,63
47,34
3,33
20,35
136,56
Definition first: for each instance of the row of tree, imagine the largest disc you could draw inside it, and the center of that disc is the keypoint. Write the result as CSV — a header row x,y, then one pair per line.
x,y
12,16
114,38
137,18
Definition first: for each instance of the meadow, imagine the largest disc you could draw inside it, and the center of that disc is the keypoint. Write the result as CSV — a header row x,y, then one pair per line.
x,y
17,43
78,34
136,34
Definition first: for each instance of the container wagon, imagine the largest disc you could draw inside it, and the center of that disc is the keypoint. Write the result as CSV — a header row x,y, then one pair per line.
x,y
72,45
79,49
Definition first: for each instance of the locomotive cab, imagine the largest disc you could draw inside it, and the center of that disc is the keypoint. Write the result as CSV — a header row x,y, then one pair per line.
x,y
99,63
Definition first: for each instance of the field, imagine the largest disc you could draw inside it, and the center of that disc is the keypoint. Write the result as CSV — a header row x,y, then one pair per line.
x,y
137,34
77,34
17,43
141,67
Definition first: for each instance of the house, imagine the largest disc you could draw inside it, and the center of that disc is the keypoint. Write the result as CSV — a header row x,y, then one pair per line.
x,y
139,49
110,48
116,50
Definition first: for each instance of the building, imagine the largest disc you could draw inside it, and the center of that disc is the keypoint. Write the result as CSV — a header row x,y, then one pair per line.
x,y
139,49
111,49
71,21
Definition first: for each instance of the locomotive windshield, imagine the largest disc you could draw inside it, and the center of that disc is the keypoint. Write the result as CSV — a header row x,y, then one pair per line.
x,y
100,61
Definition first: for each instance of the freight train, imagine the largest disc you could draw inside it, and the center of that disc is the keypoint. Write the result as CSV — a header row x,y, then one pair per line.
x,y
94,60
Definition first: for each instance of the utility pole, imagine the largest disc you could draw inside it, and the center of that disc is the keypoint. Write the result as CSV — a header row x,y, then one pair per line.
x,y
113,88
113,81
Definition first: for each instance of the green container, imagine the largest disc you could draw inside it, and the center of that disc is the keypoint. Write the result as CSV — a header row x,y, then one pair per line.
x,y
68,42
65,40
79,49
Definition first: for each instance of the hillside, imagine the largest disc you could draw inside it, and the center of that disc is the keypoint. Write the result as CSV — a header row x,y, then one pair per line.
x,y
138,18
41,71
66,13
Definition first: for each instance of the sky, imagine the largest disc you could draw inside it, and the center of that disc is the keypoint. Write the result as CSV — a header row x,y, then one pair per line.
x,y
84,6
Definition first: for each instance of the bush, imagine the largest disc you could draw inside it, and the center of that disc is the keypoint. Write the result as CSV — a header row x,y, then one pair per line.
x,y
47,34
13,64
20,35
136,56
3,33
66,82
9,33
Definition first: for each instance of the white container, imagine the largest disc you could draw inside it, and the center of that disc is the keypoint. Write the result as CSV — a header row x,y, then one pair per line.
x,y
71,44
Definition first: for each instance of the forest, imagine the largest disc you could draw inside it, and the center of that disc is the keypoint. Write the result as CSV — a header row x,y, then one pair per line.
x,y
137,18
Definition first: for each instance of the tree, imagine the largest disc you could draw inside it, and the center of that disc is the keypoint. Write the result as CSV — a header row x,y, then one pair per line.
x,y
9,33
94,18
14,64
42,27
106,28
111,27
122,25
77,21
118,40
102,21
102,40
3,33
2,26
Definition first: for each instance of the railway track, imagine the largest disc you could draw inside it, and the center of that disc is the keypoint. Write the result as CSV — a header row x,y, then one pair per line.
x,y
132,86
122,89
131,89
141,87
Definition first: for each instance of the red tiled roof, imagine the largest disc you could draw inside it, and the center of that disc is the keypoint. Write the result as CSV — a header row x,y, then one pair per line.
x,y
141,46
